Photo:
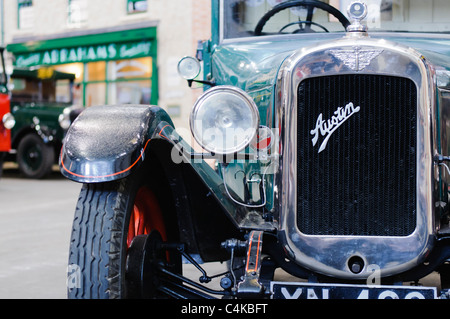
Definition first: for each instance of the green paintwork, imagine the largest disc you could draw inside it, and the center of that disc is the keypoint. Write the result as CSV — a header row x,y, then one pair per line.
x,y
253,64
47,113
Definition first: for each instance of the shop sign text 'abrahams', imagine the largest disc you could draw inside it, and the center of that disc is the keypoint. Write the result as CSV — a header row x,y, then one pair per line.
x,y
111,51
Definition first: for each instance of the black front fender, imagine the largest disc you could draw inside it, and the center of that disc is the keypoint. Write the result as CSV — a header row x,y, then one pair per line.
x,y
105,143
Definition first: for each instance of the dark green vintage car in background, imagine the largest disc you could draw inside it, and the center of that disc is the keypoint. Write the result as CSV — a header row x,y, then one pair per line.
x,y
324,132
41,104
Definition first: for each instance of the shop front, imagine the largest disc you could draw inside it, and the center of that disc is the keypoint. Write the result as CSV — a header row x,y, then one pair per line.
x,y
111,67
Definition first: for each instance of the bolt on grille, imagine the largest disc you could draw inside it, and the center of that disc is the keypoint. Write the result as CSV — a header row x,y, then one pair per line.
x,y
363,182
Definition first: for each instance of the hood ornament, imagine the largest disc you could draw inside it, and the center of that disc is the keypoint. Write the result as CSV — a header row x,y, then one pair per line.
x,y
357,11
356,58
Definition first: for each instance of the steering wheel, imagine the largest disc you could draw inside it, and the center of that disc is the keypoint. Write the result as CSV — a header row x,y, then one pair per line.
x,y
310,6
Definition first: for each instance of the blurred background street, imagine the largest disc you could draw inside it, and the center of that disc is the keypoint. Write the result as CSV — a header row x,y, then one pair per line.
x,y
36,218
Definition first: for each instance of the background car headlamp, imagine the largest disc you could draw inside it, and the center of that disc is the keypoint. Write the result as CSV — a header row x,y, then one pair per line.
x,y
224,120
8,121
64,118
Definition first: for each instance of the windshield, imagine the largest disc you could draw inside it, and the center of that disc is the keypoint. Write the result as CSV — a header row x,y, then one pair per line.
x,y
241,18
29,90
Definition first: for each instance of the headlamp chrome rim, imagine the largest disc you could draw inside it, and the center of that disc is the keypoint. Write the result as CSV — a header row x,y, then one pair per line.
x,y
251,130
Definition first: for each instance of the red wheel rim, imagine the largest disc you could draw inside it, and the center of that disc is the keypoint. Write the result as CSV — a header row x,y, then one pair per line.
x,y
145,216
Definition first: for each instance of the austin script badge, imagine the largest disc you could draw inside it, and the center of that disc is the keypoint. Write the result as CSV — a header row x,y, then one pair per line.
x,y
328,127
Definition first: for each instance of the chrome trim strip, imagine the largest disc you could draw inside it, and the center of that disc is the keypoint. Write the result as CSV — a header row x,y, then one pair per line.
x,y
330,254
221,21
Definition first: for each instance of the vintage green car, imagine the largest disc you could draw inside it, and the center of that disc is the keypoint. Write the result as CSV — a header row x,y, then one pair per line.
x,y
41,103
7,121
325,146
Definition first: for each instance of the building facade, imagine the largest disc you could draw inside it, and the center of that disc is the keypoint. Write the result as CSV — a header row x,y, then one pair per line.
x,y
121,51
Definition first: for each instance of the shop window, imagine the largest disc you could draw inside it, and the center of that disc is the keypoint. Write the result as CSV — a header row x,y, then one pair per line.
x,y
95,94
126,81
130,81
64,91
74,68
129,69
95,71
134,6
77,87
77,94
130,92
25,14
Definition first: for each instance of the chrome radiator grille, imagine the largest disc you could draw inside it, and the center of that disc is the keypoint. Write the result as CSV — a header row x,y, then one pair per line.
x,y
362,180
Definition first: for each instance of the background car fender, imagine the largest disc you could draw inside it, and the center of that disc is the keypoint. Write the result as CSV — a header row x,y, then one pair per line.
x,y
106,142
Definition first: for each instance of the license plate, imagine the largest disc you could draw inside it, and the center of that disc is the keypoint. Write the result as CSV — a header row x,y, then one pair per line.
x,y
285,290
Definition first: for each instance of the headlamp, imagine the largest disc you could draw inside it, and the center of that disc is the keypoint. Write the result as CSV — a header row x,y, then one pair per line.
x,y
8,121
64,118
224,120
189,68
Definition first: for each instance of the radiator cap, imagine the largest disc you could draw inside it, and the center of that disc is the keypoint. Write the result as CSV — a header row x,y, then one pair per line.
x,y
357,11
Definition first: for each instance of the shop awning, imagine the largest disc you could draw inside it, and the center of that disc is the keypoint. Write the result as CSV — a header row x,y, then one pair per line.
x,y
124,42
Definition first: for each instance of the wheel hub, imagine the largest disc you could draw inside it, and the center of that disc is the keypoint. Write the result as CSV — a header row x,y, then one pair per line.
x,y
143,256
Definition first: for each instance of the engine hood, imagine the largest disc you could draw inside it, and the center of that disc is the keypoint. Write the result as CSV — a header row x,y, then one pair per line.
x,y
253,63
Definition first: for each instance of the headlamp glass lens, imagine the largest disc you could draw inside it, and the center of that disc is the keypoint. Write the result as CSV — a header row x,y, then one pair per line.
x,y
189,68
224,121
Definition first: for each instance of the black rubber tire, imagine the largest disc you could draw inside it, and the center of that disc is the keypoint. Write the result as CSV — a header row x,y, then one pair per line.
x,y
35,158
96,242
98,246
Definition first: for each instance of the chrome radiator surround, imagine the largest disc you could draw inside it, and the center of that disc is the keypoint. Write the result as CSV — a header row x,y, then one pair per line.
x,y
330,255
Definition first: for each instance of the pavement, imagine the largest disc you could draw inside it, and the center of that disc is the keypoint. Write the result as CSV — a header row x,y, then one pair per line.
x,y
35,224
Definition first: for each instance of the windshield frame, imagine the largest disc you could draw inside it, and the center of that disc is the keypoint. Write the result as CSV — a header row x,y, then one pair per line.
x,y
3,77
222,39
221,21
221,28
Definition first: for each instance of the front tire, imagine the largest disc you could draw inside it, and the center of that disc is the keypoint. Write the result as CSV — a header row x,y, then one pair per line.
x,y
107,218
